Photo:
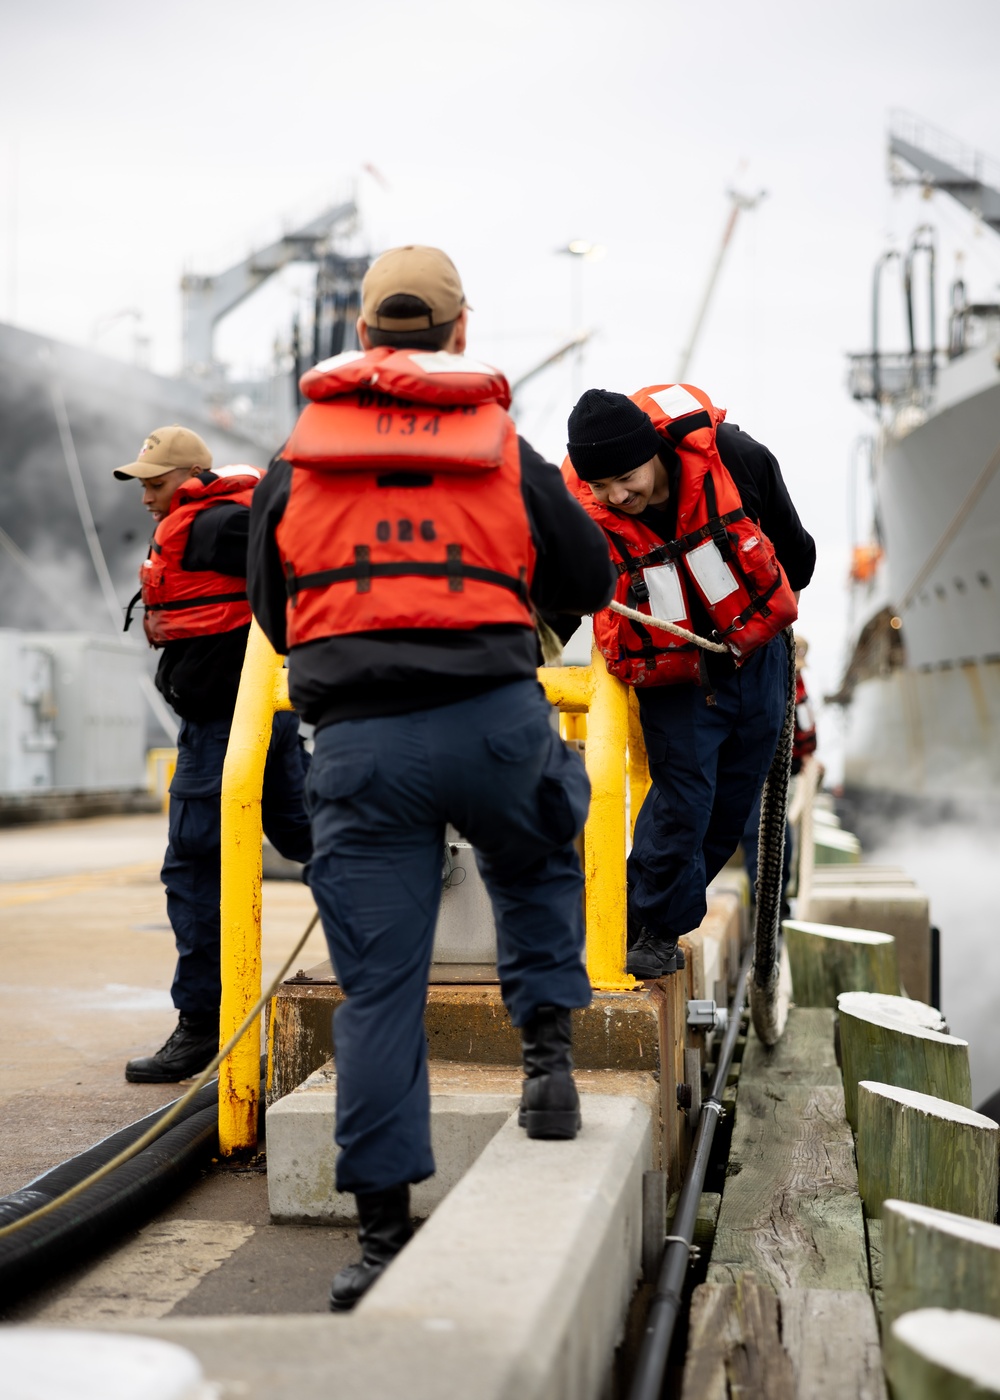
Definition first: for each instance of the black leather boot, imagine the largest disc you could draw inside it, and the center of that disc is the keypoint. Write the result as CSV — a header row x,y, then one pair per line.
x,y
650,957
384,1227
550,1104
191,1047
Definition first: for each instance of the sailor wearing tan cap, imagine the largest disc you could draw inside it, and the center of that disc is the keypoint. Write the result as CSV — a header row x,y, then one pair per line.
x,y
398,550
196,612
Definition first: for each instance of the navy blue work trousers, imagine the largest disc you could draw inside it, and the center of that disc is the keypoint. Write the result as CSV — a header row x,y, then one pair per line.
x,y
707,764
380,792
192,866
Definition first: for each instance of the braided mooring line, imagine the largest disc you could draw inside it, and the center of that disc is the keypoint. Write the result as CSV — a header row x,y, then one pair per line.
x,y
670,627
770,859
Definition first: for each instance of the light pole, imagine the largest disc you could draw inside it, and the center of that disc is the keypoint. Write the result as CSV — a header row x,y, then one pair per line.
x,y
579,251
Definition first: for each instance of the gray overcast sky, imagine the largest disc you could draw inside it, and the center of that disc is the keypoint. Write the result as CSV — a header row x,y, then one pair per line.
x,y
141,139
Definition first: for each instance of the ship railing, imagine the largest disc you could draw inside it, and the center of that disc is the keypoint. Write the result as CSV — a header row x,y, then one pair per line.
x,y
589,700
890,376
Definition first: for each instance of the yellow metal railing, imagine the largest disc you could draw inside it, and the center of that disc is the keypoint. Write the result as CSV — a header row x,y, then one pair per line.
x,y
263,690
592,702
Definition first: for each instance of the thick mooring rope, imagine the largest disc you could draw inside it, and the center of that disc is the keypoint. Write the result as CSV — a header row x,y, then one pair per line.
x,y
767,1007
670,627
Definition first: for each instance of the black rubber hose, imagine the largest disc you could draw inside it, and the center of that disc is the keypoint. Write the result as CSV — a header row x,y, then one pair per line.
x,y
650,1369
121,1201
58,1179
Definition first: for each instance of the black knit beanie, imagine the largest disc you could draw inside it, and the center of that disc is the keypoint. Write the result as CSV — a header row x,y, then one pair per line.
x,y
609,435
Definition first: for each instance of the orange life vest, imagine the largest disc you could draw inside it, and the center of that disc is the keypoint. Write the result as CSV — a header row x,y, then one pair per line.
x,y
804,737
719,550
182,602
405,509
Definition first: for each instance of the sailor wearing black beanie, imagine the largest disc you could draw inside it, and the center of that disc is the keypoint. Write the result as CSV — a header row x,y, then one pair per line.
x,y
609,435
710,728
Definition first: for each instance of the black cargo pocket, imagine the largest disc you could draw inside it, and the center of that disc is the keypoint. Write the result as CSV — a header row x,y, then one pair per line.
x,y
521,742
336,778
563,795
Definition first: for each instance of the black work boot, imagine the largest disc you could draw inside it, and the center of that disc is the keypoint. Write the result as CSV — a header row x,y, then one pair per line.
x,y
651,957
550,1104
384,1228
192,1046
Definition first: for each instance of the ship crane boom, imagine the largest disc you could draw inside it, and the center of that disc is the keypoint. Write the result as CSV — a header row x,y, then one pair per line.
x,y
943,163
208,299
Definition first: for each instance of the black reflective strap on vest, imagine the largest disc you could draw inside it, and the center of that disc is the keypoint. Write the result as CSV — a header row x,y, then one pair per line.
x,y
675,549
362,571
679,428
715,525
130,609
178,604
632,566
757,604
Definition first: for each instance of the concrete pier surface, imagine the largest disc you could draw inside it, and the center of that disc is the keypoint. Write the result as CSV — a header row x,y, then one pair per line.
x,y
87,957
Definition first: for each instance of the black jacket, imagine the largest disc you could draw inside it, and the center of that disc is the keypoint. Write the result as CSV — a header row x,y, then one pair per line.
x,y
395,671
199,676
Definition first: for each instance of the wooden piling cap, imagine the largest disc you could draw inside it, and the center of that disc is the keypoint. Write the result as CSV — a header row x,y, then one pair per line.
x,y
839,932
889,1010
928,1103
965,1227
966,1344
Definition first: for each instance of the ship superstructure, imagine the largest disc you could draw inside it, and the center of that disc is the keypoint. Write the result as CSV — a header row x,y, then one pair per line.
x,y
922,684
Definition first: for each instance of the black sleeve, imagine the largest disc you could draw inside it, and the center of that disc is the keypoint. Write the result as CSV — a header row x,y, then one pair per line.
x,y
573,570
265,577
218,539
765,496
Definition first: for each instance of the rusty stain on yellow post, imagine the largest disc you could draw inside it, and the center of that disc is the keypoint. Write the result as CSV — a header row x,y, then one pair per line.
x,y
263,688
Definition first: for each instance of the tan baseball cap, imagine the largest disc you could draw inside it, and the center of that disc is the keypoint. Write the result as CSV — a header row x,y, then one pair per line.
x,y
164,450
415,271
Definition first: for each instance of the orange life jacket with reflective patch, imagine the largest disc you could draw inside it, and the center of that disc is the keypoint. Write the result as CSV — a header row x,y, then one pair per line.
x,y
405,508
180,602
719,551
804,736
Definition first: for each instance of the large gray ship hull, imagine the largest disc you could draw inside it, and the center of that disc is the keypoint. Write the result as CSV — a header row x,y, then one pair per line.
x,y
110,408
928,729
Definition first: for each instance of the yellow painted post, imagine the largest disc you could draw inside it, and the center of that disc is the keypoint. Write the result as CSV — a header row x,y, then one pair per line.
x,y
262,686
638,764
590,691
604,838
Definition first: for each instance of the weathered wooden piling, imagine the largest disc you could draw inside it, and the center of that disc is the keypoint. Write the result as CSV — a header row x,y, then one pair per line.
x,y
932,1354
935,1259
827,959
915,1147
890,1042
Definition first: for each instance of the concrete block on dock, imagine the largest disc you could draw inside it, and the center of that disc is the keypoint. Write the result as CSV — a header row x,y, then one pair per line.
x,y
469,1105
517,1288
301,1151
542,1238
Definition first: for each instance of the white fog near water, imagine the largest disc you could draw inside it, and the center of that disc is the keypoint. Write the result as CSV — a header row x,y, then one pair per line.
x,y
955,864
137,142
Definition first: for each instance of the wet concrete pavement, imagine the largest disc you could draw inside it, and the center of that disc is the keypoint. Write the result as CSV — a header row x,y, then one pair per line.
x,y
86,960
87,956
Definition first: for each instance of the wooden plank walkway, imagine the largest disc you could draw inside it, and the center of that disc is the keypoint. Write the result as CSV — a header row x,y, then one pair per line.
x,y
749,1342
791,1211
787,1313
